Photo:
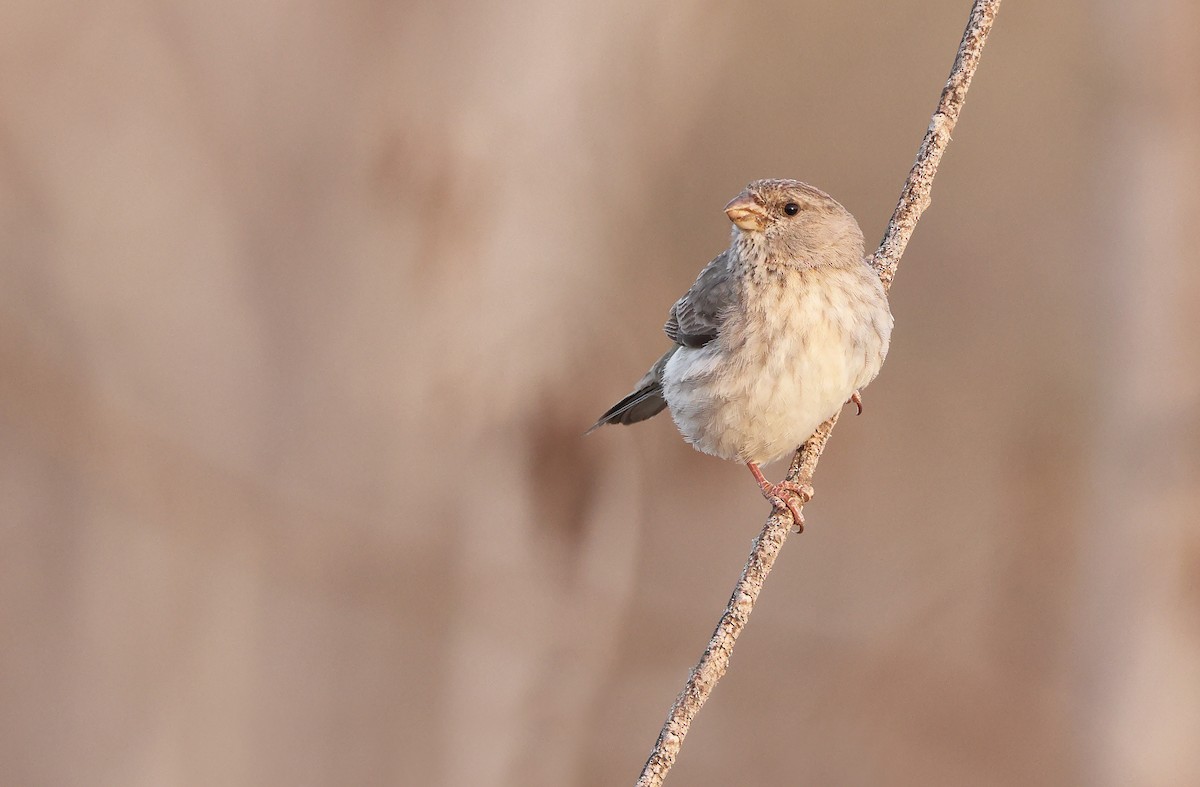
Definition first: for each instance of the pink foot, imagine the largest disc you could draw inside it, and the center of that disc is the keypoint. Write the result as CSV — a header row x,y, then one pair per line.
x,y
856,397
785,494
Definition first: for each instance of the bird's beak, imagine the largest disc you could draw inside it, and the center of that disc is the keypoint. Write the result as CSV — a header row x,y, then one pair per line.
x,y
745,212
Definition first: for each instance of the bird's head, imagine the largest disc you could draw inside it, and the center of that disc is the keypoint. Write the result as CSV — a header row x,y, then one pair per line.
x,y
790,220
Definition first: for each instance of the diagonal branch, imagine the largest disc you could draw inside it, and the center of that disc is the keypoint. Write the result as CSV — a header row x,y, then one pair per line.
x,y
914,198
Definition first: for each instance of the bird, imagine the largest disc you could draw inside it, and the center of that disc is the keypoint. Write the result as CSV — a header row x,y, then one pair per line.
x,y
777,333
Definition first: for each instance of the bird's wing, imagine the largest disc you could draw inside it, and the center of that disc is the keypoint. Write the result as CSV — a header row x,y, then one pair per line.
x,y
696,318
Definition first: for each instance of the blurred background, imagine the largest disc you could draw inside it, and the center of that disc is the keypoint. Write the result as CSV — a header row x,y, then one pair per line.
x,y
304,307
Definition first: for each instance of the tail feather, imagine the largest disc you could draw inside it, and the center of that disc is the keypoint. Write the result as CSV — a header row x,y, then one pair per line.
x,y
645,402
638,406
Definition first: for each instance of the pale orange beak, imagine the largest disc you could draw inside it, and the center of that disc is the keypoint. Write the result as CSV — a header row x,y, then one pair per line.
x,y
746,213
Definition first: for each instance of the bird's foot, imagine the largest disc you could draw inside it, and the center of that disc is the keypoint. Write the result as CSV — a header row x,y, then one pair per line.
x,y
856,397
787,495
791,496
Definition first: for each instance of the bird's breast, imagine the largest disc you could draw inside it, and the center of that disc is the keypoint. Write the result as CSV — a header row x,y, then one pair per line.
x,y
798,346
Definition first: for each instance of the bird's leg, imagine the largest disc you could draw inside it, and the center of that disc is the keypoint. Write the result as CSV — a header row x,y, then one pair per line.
x,y
856,397
785,494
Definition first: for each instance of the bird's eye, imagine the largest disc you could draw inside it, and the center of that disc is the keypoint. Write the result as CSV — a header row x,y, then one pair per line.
x,y
791,209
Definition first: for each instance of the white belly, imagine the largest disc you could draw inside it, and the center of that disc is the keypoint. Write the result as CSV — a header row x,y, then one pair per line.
x,y
787,362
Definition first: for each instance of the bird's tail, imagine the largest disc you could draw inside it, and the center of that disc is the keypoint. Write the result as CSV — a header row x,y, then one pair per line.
x,y
645,401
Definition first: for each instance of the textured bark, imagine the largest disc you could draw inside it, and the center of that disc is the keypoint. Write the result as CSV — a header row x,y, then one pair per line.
x,y
914,199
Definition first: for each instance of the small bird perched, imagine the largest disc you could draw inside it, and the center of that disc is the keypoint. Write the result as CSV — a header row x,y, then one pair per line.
x,y
777,333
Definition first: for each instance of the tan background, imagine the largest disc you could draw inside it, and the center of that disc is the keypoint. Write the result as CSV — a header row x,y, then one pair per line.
x,y
304,306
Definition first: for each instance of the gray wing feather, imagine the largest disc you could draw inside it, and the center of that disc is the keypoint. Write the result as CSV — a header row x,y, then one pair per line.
x,y
696,318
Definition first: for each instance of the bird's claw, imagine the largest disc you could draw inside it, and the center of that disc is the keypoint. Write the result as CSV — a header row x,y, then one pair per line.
x,y
856,397
790,496
780,504
784,495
